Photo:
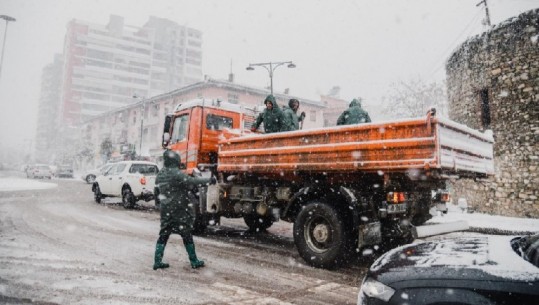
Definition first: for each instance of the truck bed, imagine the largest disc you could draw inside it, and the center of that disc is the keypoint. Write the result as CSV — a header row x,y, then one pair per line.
x,y
431,143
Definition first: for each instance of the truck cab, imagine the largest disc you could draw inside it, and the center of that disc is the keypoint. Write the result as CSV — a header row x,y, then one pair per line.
x,y
196,127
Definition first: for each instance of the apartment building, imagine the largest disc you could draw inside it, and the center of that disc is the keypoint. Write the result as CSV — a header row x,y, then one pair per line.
x,y
105,66
48,130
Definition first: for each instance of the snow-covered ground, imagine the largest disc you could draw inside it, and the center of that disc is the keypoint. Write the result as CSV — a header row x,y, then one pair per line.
x,y
21,184
476,221
485,223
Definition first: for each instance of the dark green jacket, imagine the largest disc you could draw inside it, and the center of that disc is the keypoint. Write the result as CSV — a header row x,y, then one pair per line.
x,y
273,119
177,214
354,115
291,120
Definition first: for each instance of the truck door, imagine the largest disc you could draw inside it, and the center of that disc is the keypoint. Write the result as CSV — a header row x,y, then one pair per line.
x,y
179,138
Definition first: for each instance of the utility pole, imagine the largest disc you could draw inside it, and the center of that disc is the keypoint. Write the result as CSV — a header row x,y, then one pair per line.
x,y
142,110
7,19
487,19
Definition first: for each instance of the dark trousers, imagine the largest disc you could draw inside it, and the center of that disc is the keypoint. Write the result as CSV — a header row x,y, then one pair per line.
x,y
187,238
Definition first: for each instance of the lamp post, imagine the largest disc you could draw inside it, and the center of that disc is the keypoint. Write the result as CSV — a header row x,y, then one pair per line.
x,y
271,66
7,19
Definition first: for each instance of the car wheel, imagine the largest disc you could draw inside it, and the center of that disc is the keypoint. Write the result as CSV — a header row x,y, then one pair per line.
x,y
90,179
322,236
257,223
128,198
97,194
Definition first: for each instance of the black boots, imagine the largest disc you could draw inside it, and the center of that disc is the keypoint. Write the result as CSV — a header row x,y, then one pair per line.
x,y
195,263
158,258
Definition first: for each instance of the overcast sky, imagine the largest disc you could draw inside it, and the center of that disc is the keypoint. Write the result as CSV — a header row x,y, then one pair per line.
x,y
362,46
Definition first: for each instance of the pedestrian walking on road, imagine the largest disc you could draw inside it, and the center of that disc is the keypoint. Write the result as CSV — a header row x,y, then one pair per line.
x,y
272,117
354,114
291,118
177,214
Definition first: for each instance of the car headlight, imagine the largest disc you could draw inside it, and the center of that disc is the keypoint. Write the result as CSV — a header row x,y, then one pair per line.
x,y
377,290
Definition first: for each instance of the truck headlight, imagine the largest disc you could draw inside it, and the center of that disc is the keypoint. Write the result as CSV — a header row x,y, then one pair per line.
x,y
377,290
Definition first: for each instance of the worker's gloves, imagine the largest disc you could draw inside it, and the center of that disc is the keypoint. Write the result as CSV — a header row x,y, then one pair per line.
x,y
213,180
302,114
253,129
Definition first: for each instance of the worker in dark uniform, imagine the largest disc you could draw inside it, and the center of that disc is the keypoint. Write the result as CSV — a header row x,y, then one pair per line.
x,y
291,117
272,116
177,214
354,114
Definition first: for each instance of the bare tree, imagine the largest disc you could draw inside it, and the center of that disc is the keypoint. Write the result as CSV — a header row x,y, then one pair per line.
x,y
412,98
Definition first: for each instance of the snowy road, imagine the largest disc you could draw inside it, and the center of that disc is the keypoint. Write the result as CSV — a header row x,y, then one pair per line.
x,y
59,247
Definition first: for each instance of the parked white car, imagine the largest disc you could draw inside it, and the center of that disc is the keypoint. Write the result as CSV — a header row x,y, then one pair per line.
x,y
39,171
130,180
90,175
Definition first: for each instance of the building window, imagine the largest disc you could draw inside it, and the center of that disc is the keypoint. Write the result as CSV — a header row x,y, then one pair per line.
x,y
312,115
484,108
233,98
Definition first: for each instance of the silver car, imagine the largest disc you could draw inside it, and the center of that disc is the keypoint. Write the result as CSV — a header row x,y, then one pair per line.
x,y
39,171
90,176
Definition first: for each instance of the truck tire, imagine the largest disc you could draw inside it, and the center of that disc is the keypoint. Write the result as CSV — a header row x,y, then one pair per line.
x,y
321,235
201,222
420,213
257,223
97,194
128,198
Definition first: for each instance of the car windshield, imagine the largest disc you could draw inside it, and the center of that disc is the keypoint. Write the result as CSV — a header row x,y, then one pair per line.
x,y
43,167
145,169
105,168
527,247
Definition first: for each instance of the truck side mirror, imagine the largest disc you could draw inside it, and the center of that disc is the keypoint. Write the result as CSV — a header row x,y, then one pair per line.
x,y
166,139
166,131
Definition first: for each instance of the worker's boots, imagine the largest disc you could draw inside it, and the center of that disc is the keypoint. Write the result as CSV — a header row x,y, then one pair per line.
x,y
158,258
195,262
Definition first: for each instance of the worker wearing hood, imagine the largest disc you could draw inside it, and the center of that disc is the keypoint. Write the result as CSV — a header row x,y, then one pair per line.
x,y
177,212
354,114
272,116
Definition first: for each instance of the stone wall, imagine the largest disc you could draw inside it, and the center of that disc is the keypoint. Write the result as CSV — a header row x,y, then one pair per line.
x,y
501,68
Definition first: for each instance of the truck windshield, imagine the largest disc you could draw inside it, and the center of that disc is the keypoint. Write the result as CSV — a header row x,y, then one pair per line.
x,y
217,122
179,131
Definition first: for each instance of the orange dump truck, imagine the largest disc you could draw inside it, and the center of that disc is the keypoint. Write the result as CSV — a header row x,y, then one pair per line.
x,y
344,188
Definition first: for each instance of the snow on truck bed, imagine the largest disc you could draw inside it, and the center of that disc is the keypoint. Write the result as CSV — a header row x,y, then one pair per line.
x,y
396,145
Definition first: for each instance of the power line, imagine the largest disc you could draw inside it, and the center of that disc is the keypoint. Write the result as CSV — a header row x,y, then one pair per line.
x,y
452,45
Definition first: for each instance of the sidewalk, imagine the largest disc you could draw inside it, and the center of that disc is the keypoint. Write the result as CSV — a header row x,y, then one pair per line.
x,y
488,224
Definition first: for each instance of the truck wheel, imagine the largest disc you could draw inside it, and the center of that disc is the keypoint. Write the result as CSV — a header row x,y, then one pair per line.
x,y
257,223
128,198
97,194
200,224
321,235
420,210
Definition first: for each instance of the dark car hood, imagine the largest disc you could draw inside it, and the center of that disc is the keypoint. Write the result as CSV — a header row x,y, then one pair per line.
x,y
481,258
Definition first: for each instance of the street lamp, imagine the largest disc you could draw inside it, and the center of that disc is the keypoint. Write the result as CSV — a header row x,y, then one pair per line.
x,y
7,19
271,66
